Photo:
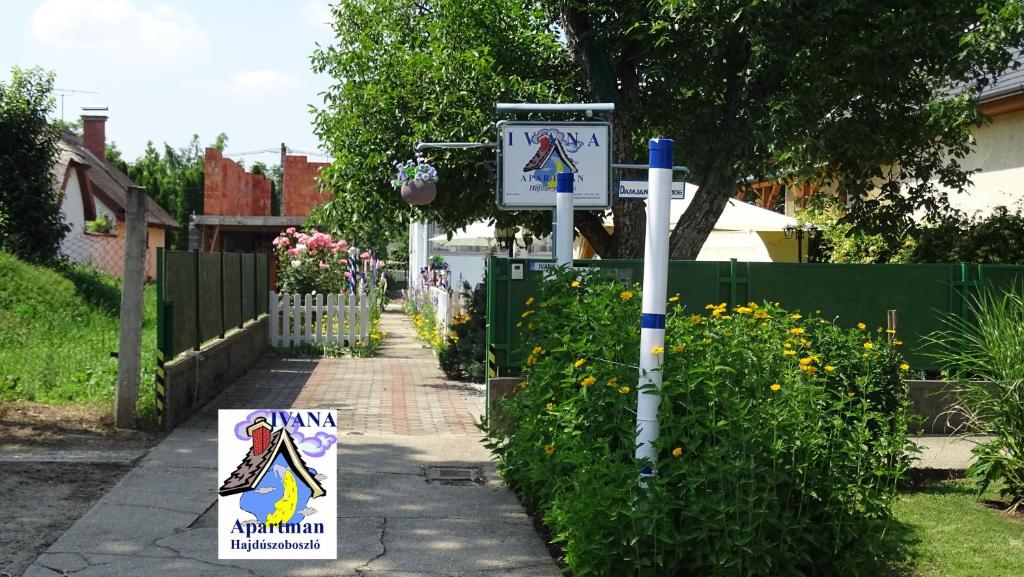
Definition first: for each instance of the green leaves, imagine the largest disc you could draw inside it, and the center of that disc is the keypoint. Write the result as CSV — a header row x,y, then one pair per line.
x,y
31,224
769,463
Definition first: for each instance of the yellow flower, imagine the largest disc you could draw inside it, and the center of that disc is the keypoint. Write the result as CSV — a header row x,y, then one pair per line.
x,y
519,324
710,307
613,381
673,298
776,387
789,352
678,348
787,345
657,350
549,449
829,368
743,310
727,333
761,314
549,406
805,342
537,350
817,311
869,345
904,367
797,331
522,384
850,394
588,381
575,283
696,319
808,369
626,295
897,342
530,326
527,313
796,316
806,361
708,341
891,331
861,326
580,362
623,390
531,360
529,301
677,452
878,329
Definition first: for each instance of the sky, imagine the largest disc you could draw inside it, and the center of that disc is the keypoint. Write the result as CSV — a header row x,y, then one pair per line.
x,y
171,69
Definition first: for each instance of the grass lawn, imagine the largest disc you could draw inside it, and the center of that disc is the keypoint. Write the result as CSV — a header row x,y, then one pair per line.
x,y
58,327
952,534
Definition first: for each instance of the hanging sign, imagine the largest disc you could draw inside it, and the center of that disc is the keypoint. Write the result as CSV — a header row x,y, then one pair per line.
x,y
530,154
638,189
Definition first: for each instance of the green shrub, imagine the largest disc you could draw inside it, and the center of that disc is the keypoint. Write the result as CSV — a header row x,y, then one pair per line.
x,y
782,438
463,356
987,349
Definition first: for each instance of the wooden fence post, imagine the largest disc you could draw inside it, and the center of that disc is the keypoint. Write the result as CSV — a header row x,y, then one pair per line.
x,y
130,337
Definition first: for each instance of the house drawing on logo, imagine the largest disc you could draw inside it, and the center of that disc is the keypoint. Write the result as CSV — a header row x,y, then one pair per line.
x,y
275,481
550,159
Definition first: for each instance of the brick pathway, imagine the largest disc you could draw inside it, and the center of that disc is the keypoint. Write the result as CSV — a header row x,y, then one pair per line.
x,y
397,415
400,391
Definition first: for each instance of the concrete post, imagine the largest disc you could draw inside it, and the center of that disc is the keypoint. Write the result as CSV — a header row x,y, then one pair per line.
x,y
130,339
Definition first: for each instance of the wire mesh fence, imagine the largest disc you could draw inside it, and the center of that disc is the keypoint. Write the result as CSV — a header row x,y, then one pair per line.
x,y
103,251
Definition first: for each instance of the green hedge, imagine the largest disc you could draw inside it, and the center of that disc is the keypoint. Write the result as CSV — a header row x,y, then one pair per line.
x,y
782,437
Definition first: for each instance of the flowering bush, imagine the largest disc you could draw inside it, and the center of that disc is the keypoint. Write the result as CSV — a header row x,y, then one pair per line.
x,y
463,356
782,437
308,263
413,170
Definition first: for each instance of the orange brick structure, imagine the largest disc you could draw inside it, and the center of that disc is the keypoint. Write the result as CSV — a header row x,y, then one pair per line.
x,y
301,190
231,191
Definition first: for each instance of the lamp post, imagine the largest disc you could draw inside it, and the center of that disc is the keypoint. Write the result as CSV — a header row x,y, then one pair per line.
x,y
506,237
799,231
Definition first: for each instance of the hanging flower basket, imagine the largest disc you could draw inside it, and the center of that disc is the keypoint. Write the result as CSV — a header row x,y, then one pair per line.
x,y
419,192
416,180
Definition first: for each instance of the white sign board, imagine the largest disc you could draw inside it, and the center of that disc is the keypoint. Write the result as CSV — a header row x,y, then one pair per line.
x,y
638,189
532,153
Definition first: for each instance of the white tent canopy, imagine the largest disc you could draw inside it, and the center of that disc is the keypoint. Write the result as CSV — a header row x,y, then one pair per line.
x,y
737,215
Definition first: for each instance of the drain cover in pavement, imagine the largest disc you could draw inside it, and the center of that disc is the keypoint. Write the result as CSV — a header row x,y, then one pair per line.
x,y
453,475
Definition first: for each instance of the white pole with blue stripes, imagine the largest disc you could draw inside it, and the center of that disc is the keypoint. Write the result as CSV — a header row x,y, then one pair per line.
x,y
652,318
563,218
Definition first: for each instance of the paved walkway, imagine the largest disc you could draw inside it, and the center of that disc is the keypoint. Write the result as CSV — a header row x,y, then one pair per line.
x,y
396,415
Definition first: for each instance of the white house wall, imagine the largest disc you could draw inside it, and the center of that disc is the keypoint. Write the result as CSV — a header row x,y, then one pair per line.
x,y
999,153
101,251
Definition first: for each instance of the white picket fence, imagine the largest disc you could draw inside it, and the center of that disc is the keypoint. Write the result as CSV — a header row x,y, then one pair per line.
x,y
322,319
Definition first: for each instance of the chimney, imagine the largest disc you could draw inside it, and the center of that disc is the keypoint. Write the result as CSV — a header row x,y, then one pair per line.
x,y
259,430
94,133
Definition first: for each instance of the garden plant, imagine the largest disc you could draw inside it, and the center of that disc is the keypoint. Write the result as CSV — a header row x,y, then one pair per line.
x,y
985,349
783,437
462,357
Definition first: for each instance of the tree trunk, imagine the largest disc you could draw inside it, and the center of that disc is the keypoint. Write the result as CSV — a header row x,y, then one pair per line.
x,y
694,226
627,240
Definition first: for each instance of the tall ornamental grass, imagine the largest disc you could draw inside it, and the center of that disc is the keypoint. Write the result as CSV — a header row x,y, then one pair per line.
x,y
782,439
986,349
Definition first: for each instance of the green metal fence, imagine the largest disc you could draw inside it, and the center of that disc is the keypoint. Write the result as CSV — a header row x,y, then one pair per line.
x,y
921,293
203,295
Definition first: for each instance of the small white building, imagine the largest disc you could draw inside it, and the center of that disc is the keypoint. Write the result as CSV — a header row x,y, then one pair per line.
x,y
93,196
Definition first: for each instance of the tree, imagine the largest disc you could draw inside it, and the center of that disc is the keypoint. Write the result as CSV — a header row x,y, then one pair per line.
x,y
31,224
855,96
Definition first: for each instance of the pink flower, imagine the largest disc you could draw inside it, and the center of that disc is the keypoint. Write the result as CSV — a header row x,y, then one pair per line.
x,y
380,264
290,230
365,255
324,266
293,252
283,241
348,275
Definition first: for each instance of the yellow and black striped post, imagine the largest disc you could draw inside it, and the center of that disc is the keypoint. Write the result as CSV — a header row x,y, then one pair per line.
x,y
161,381
492,361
